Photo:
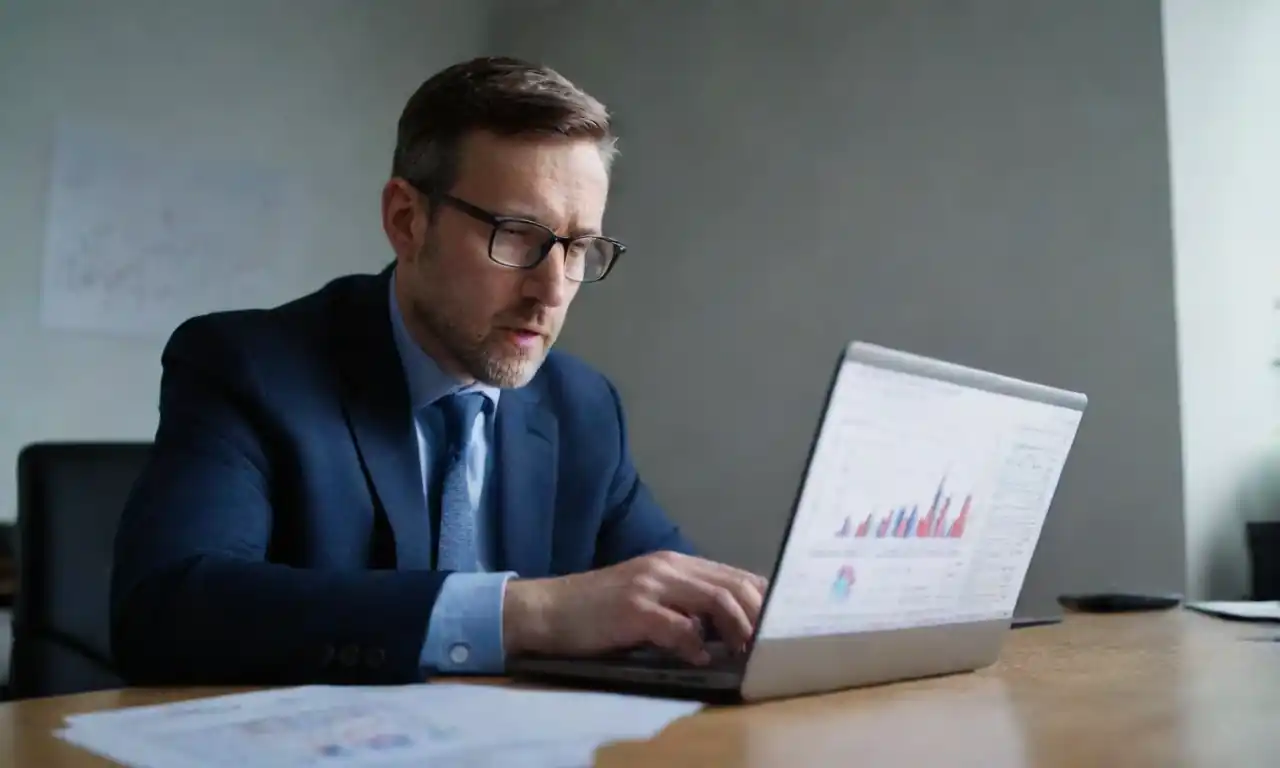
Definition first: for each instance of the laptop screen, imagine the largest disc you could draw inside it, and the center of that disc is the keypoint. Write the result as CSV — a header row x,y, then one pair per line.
x,y
923,500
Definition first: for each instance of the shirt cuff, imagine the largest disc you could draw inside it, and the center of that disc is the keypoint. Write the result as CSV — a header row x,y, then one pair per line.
x,y
464,633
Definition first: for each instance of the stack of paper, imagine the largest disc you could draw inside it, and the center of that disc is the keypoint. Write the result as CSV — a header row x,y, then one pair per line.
x,y
417,725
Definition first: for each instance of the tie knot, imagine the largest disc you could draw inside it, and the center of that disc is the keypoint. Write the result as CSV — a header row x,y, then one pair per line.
x,y
460,411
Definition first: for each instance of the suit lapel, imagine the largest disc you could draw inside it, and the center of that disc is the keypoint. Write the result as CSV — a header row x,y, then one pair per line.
x,y
376,400
525,470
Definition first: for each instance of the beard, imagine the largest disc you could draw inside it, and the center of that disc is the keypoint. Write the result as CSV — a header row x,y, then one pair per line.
x,y
486,355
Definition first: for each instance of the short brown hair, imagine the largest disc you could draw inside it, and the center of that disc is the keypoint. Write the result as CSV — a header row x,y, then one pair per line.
x,y
499,94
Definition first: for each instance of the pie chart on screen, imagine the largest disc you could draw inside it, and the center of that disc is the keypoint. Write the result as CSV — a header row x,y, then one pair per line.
x,y
843,583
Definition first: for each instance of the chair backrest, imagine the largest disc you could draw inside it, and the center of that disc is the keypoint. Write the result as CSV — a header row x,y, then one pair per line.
x,y
70,496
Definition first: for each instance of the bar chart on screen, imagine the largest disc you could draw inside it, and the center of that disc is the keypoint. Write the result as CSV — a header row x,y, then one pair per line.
x,y
904,507
913,521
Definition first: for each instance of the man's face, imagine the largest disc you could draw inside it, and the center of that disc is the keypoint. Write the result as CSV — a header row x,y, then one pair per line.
x,y
479,319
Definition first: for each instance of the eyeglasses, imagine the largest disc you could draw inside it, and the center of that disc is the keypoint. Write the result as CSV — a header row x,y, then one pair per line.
x,y
524,244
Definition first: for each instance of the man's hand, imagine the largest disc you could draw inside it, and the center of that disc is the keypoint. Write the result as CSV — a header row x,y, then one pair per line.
x,y
658,599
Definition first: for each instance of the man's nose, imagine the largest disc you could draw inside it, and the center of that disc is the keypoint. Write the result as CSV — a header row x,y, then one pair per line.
x,y
547,282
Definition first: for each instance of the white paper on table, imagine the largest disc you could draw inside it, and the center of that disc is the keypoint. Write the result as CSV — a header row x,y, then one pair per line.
x,y
462,725
1243,610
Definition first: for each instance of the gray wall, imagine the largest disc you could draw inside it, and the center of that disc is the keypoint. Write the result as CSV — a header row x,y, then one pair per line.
x,y
983,181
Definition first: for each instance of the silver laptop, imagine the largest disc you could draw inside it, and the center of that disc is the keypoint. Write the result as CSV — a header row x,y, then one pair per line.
x,y
923,498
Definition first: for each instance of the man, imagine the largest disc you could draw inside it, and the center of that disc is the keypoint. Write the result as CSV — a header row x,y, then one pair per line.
x,y
395,477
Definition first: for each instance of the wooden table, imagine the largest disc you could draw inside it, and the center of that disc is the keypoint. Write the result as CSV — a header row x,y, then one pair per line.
x,y
1169,689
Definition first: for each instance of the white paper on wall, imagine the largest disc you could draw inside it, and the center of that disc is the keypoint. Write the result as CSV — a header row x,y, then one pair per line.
x,y
140,237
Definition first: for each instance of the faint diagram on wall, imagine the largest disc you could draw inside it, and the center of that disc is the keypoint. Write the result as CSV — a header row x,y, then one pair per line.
x,y
139,237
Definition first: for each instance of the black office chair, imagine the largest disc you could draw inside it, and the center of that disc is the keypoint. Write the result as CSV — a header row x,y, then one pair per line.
x,y
70,496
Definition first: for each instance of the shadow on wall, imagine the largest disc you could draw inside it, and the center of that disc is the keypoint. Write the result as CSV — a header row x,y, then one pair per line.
x,y
1257,499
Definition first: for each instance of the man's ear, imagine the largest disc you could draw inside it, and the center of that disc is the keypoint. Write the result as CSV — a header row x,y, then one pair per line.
x,y
404,218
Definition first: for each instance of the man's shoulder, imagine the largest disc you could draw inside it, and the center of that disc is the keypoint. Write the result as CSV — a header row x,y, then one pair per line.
x,y
285,336
307,315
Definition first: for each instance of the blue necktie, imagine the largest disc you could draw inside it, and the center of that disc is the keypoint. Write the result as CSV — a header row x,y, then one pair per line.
x,y
457,550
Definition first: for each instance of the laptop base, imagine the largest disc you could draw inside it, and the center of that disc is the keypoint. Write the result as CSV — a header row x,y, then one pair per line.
x,y
1026,622
631,687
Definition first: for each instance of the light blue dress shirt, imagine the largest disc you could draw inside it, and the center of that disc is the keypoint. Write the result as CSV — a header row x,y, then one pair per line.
x,y
464,633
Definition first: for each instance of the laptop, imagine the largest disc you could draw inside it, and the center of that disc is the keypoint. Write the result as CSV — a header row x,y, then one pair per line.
x,y
923,497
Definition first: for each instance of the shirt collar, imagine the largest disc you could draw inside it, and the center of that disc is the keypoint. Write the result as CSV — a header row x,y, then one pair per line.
x,y
426,381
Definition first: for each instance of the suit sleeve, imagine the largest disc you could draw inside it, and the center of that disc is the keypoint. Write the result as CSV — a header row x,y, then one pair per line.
x,y
194,599
634,523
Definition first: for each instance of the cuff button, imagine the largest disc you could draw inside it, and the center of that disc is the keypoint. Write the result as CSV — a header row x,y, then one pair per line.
x,y
459,654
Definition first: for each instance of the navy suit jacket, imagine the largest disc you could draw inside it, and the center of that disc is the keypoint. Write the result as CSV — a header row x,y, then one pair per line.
x,y
279,535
